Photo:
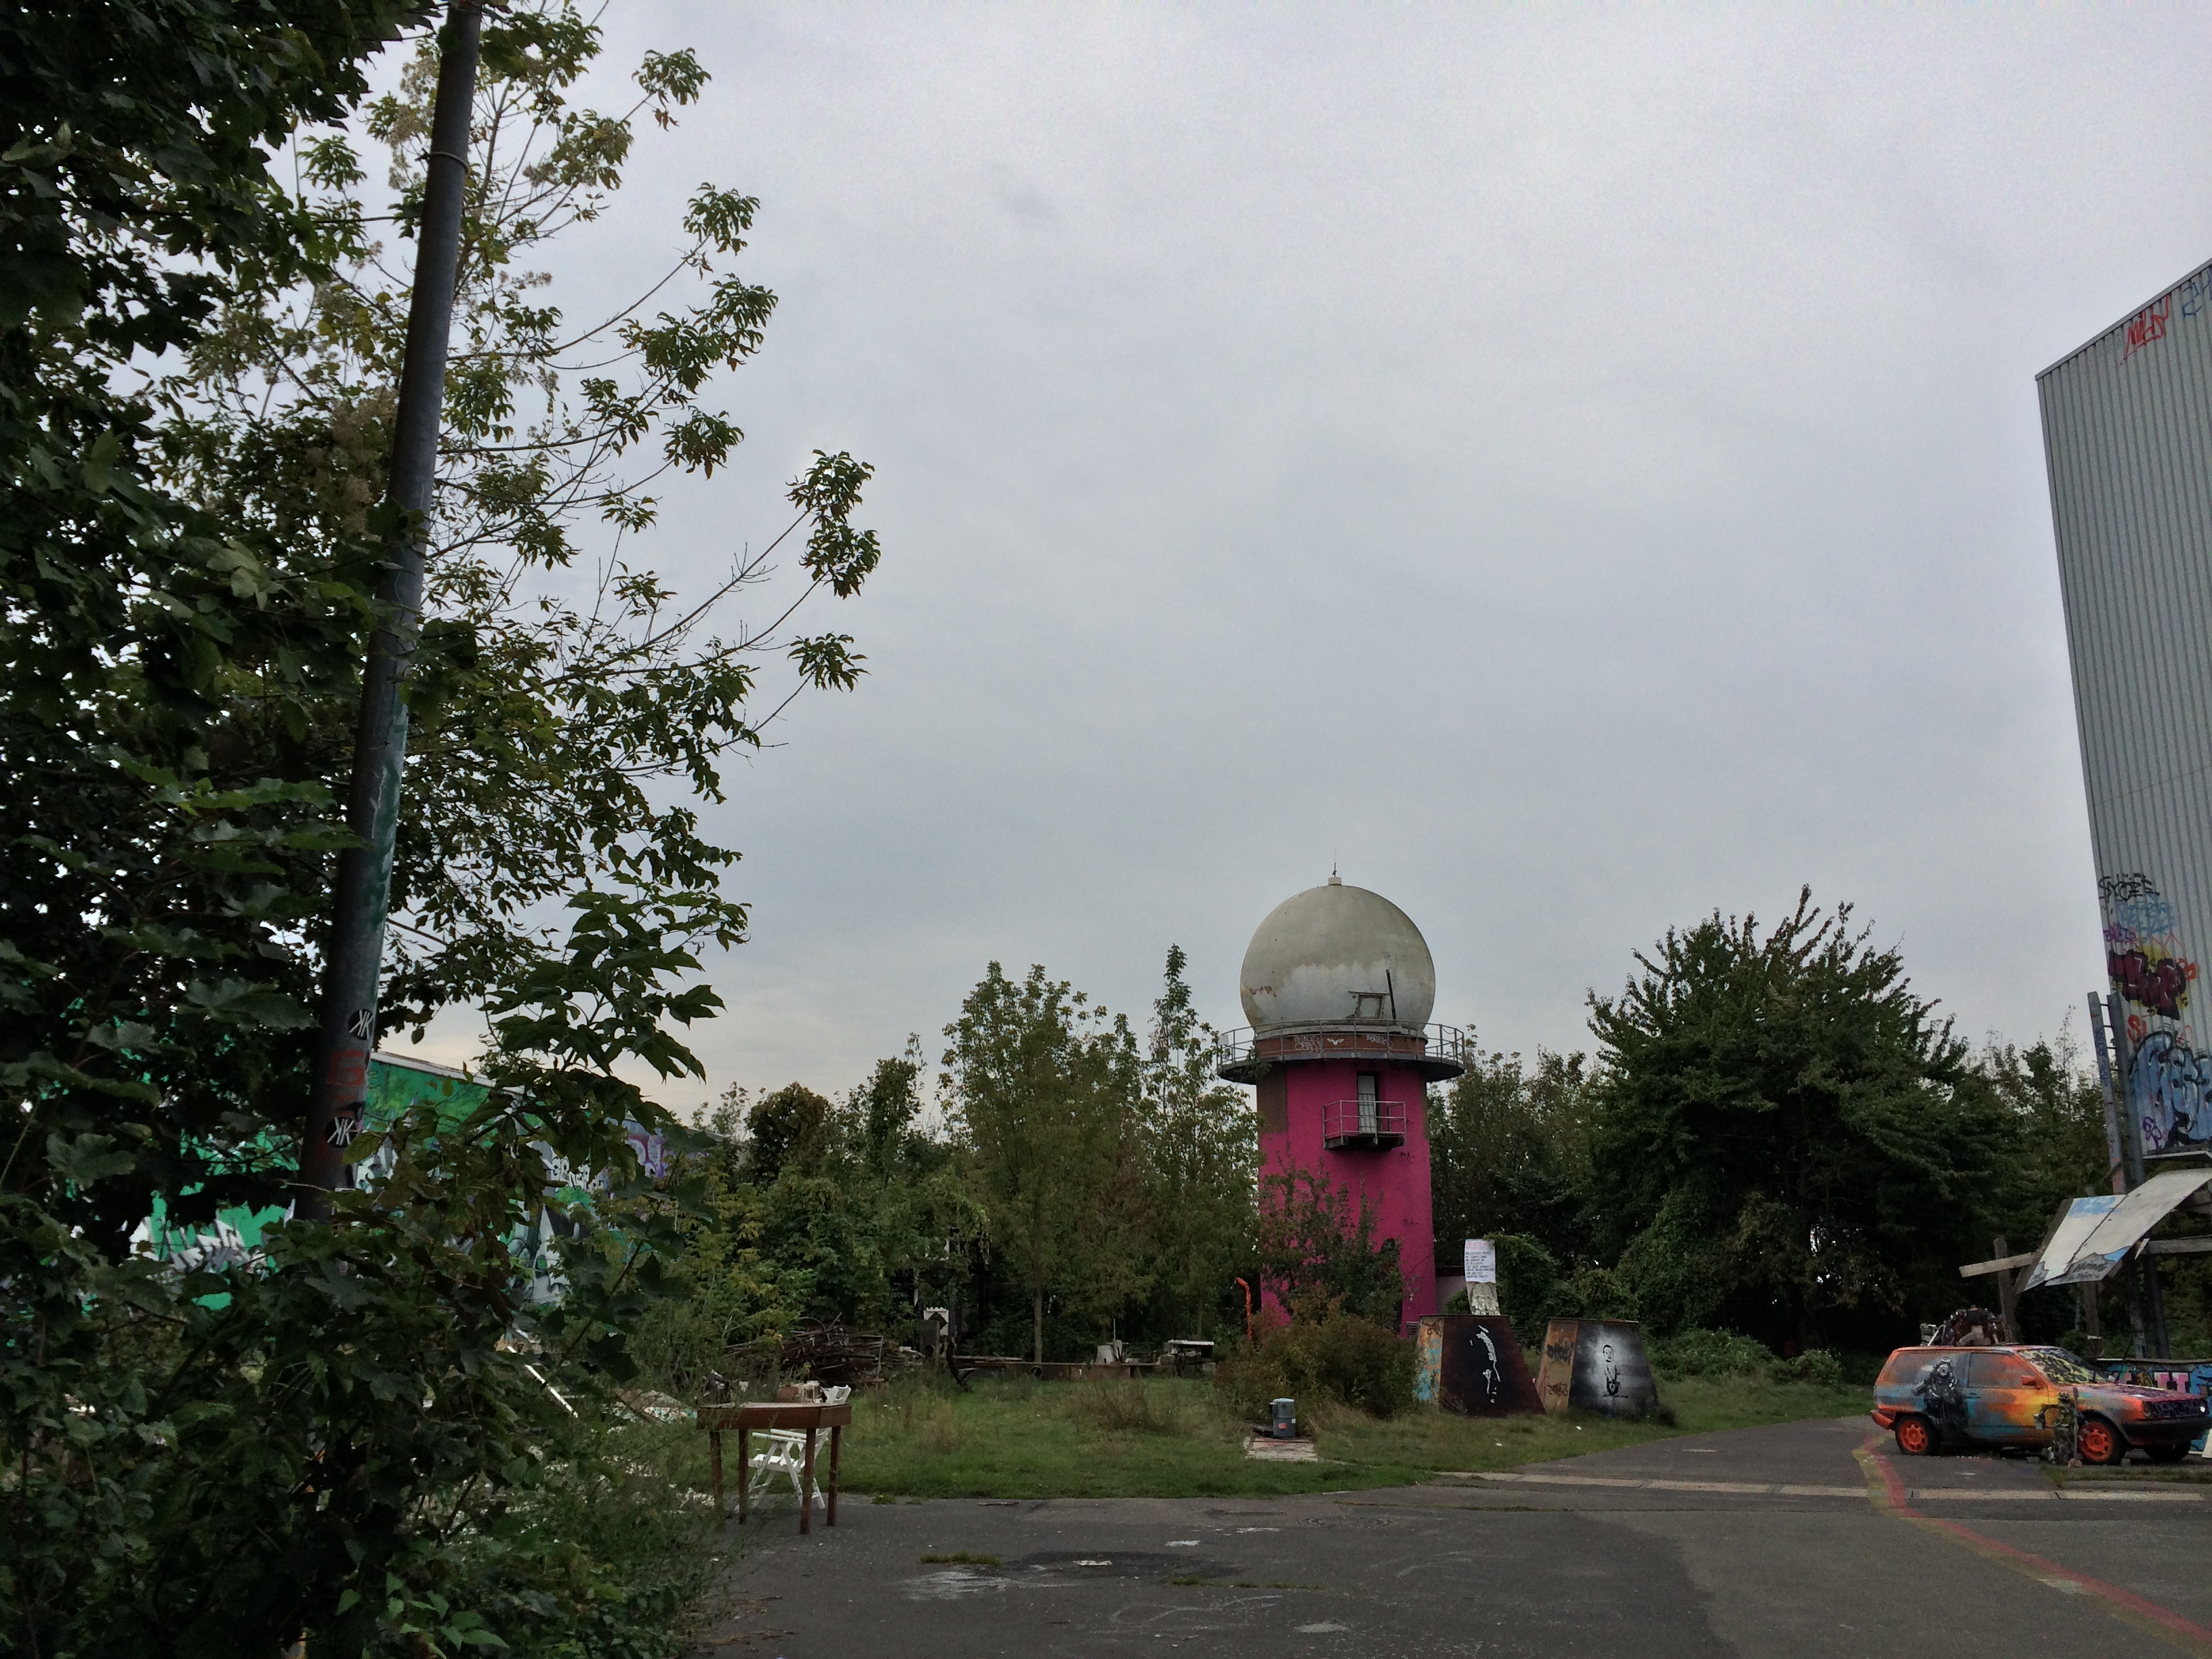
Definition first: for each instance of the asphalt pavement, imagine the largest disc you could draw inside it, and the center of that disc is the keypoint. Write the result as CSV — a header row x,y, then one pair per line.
x,y
1808,1538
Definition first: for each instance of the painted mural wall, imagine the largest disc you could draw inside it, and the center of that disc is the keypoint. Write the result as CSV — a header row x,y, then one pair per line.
x,y
2127,425
396,1086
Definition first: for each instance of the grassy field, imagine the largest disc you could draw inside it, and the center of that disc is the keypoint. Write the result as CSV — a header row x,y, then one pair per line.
x,y
1166,1438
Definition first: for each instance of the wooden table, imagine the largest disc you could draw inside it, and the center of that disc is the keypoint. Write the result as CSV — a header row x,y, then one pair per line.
x,y
768,1414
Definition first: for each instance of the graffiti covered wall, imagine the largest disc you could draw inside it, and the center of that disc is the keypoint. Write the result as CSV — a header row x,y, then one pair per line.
x,y
396,1086
2169,1079
2127,422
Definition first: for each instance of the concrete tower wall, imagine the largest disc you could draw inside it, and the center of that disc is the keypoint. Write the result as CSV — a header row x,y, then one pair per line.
x,y
1393,1181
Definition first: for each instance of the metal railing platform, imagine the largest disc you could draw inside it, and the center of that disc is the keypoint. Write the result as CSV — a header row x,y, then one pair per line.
x,y
1437,1052
1358,1123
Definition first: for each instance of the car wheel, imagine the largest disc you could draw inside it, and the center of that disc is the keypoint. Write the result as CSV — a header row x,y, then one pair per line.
x,y
1915,1437
2166,1454
2100,1443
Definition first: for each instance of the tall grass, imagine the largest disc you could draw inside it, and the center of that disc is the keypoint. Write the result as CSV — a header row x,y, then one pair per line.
x,y
1168,1438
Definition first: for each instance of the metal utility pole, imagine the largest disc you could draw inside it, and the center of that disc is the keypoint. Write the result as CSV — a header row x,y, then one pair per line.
x,y
2141,1270
340,1084
2124,1071
2111,1075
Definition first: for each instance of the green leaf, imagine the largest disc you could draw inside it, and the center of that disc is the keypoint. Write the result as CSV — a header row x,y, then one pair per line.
x,y
85,1158
100,461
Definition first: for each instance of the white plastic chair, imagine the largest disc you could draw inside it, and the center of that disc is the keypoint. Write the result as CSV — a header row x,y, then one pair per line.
x,y
782,1451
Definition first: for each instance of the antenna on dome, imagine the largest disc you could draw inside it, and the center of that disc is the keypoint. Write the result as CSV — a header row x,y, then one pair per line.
x,y
1334,880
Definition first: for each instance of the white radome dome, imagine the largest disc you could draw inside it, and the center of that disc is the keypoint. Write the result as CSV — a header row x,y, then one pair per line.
x,y
1334,954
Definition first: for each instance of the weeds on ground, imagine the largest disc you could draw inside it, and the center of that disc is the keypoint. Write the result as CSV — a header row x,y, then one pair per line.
x,y
612,1552
1165,1437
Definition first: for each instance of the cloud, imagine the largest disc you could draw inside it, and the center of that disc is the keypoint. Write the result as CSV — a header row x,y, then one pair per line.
x,y
1576,468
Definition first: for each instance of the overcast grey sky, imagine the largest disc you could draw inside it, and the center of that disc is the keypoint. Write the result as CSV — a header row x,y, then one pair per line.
x,y
1578,468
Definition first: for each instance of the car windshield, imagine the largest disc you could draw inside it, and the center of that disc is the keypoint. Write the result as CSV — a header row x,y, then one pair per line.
x,y
2060,1366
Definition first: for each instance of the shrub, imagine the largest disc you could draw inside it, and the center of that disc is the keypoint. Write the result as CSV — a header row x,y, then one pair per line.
x,y
1527,1273
1321,1353
607,1553
1814,1365
1731,1353
1318,1240
1594,1294
1712,1353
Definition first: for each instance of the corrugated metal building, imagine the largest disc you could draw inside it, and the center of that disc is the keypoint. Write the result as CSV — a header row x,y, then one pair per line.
x,y
2127,428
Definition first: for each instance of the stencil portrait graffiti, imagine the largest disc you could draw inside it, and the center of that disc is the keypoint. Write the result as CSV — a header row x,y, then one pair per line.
x,y
1472,1363
1943,1396
1609,1366
1490,1374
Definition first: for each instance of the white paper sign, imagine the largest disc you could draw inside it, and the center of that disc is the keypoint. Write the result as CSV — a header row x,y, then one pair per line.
x,y
1481,1261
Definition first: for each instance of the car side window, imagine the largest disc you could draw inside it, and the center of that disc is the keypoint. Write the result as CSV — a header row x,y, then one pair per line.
x,y
1998,1371
1907,1370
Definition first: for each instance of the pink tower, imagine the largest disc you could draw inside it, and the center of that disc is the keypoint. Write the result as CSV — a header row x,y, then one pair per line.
x,y
1339,985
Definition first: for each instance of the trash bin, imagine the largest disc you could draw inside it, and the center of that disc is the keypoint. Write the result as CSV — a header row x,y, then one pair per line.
x,y
1286,1419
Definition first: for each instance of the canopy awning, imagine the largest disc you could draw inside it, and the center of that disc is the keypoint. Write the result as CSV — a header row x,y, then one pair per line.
x,y
2096,1234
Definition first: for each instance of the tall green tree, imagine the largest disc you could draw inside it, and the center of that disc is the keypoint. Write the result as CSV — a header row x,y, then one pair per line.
x,y
1044,1088
197,357
1786,1137
787,1129
813,1209
1509,1153
1201,1140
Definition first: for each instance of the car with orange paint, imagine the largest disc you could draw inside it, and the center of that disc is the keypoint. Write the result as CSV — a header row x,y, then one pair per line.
x,y
1932,1398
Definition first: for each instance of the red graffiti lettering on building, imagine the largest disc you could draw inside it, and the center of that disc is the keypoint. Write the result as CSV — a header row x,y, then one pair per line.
x,y
2161,986
2147,325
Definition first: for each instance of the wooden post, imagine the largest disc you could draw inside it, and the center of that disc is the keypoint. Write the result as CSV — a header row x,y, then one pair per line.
x,y
2006,1303
714,1455
835,1434
744,1473
2089,1323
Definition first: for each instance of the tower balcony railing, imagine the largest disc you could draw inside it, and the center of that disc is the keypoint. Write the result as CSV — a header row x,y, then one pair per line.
x,y
1352,1039
1362,1123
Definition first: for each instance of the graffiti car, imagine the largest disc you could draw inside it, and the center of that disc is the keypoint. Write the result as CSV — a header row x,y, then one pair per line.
x,y
1932,1398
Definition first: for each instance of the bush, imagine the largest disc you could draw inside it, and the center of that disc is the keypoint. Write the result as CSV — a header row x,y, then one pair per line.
x,y
1527,1273
1321,1353
608,1553
1594,1294
1731,1353
1712,1353
1814,1365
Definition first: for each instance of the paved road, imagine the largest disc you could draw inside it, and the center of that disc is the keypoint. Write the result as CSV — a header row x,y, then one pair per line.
x,y
1796,1539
